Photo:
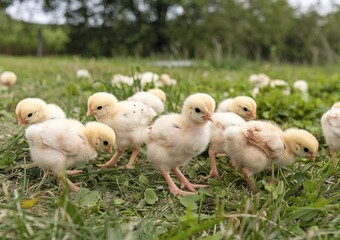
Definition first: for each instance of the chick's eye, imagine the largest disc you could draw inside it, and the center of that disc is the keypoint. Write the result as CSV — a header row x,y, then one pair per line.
x,y
245,109
99,107
306,150
197,110
30,115
106,143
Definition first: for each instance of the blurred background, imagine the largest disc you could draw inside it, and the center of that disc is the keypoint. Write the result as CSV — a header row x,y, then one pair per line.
x,y
294,31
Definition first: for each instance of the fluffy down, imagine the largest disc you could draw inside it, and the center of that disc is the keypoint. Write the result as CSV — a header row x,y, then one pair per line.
x,y
127,118
150,99
330,123
59,144
174,139
35,110
257,145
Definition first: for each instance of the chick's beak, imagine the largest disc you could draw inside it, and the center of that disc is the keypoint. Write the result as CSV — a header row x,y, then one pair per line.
x,y
109,149
311,156
21,121
209,116
89,110
251,115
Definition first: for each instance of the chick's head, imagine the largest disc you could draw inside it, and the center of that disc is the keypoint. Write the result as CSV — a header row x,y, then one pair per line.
x,y
30,111
100,136
301,142
336,105
99,104
199,107
158,93
245,107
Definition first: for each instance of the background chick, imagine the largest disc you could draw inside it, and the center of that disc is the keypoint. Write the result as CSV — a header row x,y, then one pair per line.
x,y
301,86
35,110
7,79
154,98
330,124
176,138
242,105
127,118
59,144
256,145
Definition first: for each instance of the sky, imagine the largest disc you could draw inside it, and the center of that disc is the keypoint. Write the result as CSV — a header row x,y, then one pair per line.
x,y
32,12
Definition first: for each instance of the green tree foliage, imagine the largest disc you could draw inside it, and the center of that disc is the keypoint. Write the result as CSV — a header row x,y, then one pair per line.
x,y
254,29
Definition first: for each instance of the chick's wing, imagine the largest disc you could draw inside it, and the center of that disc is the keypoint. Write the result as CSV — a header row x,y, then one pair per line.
x,y
266,137
66,137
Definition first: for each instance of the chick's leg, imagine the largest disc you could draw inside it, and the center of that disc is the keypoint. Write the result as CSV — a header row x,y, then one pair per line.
x,y
133,157
333,155
172,186
213,172
74,172
250,182
63,180
114,159
185,182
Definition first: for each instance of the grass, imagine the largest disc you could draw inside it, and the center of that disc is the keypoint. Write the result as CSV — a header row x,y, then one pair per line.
x,y
303,202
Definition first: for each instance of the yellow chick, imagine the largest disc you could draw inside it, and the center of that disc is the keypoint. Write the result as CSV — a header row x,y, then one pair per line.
x,y
242,105
166,80
256,145
174,139
259,80
154,98
35,110
330,124
59,144
7,78
127,118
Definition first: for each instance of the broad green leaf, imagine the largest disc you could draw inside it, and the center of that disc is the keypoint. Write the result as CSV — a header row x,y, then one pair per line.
x,y
7,159
143,179
87,198
190,201
309,186
150,196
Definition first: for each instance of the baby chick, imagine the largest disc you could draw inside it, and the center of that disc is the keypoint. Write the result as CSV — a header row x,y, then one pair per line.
x,y
121,79
301,86
330,123
59,144
128,119
176,138
35,110
259,80
217,140
7,79
256,145
154,98
83,73
242,105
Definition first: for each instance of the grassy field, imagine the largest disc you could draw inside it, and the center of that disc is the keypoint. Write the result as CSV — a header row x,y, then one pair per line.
x,y
303,202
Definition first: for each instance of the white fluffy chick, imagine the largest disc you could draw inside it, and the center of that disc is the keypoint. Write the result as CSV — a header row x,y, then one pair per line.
x,y
59,144
256,145
166,80
279,83
259,80
301,86
330,123
83,73
148,77
154,98
217,140
174,139
128,119
242,105
35,110
121,79
7,78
